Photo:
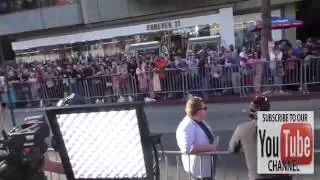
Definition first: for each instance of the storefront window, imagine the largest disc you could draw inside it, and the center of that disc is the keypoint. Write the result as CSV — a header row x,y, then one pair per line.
x,y
244,38
181,42
164,43
113,47
171,37
66,53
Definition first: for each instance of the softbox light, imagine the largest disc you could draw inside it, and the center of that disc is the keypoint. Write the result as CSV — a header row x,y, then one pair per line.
x,y
103,141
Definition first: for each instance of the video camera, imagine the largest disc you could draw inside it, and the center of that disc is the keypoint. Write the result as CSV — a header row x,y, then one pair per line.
x,y
22,150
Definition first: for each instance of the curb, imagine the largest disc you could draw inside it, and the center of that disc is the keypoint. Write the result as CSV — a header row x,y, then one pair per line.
x,y
231,99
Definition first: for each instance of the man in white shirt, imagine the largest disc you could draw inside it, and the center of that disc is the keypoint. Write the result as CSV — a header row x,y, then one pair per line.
x,y
195,136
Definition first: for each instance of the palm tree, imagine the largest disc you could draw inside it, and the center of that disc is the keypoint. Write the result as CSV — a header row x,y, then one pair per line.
x,y
266,28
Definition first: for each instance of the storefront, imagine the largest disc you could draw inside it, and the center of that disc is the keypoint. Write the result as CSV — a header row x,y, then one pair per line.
x,y
243,22
174,33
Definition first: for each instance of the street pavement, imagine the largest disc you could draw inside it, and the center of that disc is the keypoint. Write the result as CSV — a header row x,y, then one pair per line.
x,y
223,118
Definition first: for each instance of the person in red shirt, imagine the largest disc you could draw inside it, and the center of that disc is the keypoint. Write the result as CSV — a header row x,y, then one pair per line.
x,y
160,64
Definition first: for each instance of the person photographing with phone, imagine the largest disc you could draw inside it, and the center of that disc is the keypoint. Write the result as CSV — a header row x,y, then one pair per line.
x,y
195,136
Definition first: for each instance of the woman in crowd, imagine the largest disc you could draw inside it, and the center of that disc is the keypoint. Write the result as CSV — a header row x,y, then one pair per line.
x,y
276,68
115,80
291,67
246,64
306,68
159,76
144,74
216,72
258,65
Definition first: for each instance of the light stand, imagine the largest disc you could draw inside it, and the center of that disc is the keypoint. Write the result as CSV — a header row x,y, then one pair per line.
x,y
110,141
156,140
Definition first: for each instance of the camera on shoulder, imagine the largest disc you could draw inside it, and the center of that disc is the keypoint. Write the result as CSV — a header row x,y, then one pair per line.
x,y
22,150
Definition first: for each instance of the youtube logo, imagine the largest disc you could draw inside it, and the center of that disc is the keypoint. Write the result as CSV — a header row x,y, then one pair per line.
x,y
285,142
297,143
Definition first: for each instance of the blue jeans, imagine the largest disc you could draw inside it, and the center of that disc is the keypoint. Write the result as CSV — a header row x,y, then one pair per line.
x,y
205,80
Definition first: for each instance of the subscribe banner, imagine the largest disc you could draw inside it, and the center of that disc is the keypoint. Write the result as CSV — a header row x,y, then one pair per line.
x,y
285,142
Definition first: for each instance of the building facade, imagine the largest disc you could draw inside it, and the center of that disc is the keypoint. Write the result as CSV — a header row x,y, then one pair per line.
x,y
42,25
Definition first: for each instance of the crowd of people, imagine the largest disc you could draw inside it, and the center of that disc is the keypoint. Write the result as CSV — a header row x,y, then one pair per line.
x,y
119,78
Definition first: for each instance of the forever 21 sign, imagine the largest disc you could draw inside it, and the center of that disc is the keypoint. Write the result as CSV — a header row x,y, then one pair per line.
x,y
164,25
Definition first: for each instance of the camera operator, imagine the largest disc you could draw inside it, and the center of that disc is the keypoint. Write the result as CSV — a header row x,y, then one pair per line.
x,y
245,138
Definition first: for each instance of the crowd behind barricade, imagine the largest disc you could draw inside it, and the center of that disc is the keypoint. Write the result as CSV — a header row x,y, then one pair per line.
x,y
205,73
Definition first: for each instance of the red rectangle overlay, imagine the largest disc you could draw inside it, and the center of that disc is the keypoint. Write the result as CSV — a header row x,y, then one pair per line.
x,y
296,143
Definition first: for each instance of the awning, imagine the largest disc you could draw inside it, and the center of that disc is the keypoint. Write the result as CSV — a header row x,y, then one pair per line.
x,y
279,23
120,31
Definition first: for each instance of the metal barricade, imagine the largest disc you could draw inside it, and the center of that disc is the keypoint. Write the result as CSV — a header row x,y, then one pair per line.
x,y
103,88
226,166
292,75
31,93
273,76
170,81
310,71
244,79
